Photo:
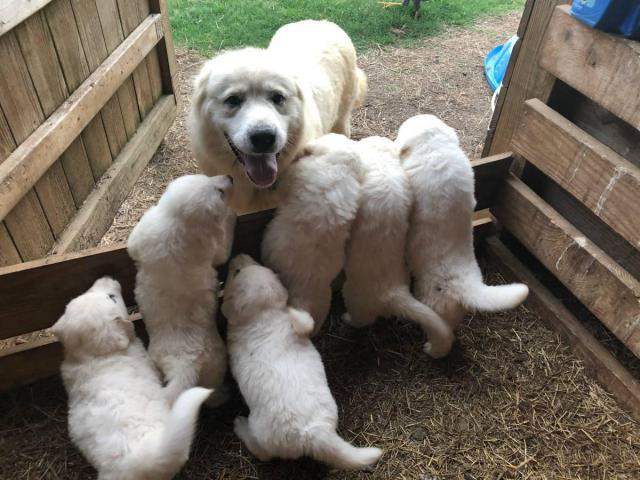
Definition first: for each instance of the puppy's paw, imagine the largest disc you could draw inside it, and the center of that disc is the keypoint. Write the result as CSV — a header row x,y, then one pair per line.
x,y
436,350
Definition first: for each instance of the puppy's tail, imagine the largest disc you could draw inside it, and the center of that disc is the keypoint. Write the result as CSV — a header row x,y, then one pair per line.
x,y
171,451
404,305
486,298
301,322
327,446
361,88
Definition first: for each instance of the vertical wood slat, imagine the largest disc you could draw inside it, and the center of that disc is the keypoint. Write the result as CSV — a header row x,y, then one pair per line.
x,y
129,19
95,51
41,59
66,38
114,36
165,50
153,62
23,114
8,251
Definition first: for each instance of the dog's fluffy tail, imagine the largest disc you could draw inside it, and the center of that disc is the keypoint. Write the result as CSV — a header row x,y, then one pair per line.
x,y
169,453
328,447
478,296
404,305
361,88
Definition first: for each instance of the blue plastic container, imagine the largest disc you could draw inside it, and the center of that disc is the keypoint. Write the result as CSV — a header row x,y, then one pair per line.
x,y
618,16
496,62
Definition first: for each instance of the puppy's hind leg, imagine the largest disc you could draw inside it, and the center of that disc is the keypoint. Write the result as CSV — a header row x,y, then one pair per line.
x,y
212,376
359,314
180,374
242,429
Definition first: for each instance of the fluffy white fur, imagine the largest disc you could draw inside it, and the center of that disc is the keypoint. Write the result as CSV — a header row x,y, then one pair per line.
x,y
175,246
304,85
280,374
118,415
377,279
440,240
305,242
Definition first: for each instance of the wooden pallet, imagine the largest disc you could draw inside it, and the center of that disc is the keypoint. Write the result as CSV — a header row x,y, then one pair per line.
x,y
35,293
576,204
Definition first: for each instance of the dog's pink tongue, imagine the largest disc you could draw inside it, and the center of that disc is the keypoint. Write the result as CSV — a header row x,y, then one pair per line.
x,y
262,169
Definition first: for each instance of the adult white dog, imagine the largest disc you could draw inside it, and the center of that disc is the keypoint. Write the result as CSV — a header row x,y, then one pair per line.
x,y
174,246
305,242
119,417
440,241
377,279
254,109
280,374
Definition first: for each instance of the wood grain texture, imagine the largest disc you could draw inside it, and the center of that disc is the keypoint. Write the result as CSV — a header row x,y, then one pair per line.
x,y
12,12
40,55
599,362
609,291
129,19
95,50
528,80
64,30
604,181
113,37
166,50
96,215
600,65
27,163
23,113
153,60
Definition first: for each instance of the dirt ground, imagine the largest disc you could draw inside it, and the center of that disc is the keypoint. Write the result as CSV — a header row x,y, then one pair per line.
x,y
510,402
444,77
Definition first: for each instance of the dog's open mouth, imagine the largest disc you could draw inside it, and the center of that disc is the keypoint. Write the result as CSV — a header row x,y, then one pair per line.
x,y
261,168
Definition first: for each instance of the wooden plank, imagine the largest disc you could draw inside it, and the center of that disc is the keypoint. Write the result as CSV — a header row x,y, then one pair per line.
x,y
166,50
609,291
129,20
153,61
113,37
600,65
604,181
528,79
64,31
489,172
12,12
599,362
8,251
21,169
23,114
96,215
29,229
95,51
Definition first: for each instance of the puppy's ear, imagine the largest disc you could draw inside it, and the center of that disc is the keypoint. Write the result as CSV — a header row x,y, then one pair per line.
x,y
112,335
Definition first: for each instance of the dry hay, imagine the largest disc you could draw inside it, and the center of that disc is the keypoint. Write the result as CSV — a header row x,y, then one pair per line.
x,y
510,402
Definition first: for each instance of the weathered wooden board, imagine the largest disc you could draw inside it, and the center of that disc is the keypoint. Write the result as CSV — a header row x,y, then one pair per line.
x,y
609,291
602,66
12,12
604,181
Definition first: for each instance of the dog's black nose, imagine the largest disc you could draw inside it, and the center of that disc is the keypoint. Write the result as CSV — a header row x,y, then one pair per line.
x,y
263,140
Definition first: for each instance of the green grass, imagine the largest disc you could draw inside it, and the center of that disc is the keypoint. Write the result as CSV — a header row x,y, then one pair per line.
x,y
209,25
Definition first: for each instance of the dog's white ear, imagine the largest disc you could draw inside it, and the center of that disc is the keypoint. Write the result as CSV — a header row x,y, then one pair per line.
x,y
112,336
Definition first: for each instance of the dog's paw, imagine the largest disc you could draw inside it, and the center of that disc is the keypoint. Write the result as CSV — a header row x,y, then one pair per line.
x,y
436,351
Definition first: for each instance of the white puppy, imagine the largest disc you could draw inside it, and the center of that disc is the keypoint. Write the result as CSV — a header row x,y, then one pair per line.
x,y
280,374
377,279
440,240
118,416
254,109
305,242
175,246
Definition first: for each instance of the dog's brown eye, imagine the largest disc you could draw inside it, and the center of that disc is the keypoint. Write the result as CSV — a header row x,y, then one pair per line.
x,y
277,99
113,297
221,191
233,101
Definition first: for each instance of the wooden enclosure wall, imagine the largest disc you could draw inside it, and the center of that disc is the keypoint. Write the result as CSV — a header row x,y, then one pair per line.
x,y
86,96
575,204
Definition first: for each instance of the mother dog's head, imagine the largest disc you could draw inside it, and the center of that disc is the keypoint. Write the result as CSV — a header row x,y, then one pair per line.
x,y
247,108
